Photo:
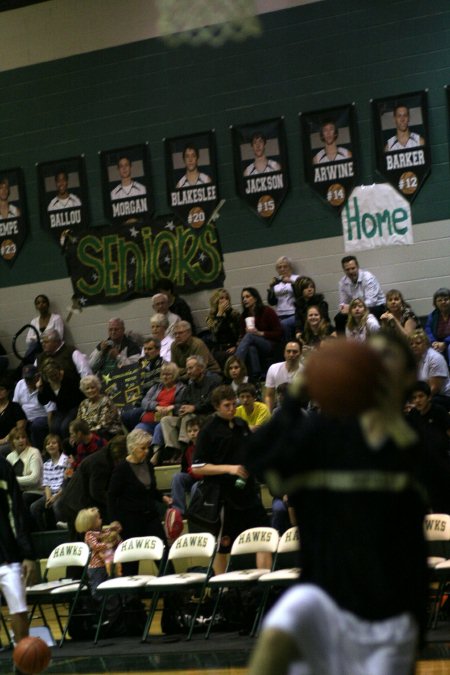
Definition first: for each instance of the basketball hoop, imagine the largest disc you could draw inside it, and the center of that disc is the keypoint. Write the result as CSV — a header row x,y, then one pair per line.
x,y
210,22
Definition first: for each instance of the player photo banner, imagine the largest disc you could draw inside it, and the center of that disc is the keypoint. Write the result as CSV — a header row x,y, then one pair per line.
x,y
112,264
330,152
126,184
261,165
13,214
400,126
191,171
63,195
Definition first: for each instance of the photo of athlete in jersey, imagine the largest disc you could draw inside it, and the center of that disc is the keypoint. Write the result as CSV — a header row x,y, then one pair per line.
x,y
192,176
331,152
128,187
404,138
261,163
64,199
7,210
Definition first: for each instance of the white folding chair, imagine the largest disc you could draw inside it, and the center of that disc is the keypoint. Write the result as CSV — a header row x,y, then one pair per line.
x,y
282,576
61,591
437,534
202,546
250,542
131,550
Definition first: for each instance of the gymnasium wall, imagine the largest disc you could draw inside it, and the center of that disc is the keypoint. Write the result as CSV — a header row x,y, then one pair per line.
x,y
311,56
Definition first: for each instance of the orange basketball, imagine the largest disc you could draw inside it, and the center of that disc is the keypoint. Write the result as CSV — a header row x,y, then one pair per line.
x,y
342,377
32,655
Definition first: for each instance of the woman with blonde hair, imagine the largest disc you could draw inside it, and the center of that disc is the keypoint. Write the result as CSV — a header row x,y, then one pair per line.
x,y
281,296
223,324
360,323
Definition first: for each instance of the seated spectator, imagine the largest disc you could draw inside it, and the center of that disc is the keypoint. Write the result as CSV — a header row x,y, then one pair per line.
x,y
261,333
307,296
399,315
223,324
252,411
43,323
11,416
38,415
235,372
89,484
150,362
357,283
185,480
280,394
220,456
42,513
432,367
162,399
195,400
65,356
177,305
84,441
160,304
285,371
429,417
186,345
360,322
316,329
97,409
27,464
281,295
438,323
56,386
116,351
159,324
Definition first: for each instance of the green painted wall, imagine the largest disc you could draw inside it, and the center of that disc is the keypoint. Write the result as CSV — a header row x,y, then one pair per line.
x,y
319,55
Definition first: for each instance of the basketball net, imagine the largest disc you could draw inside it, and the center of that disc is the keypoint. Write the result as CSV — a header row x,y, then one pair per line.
x,y
210,22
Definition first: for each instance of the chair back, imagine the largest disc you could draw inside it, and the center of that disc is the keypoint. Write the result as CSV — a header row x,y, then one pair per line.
x,y
75,554
289,541
139,548
437,527
200,544
256,540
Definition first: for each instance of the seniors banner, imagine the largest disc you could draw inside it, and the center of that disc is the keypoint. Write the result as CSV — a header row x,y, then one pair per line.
x,y
112,264
376,215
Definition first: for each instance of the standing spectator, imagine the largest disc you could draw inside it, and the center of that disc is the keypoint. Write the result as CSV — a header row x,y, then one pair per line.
x,y
186,345
177,305
97,409
281,295
17,566
38,415
159,324
438,323
221,456
250,410
360,323
11,416
117,351
223,324
358,283
160,305
261,332
285,371
42,513
27,464
399,315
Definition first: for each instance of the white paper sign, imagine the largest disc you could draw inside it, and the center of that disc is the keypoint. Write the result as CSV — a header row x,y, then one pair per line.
x,y
376,215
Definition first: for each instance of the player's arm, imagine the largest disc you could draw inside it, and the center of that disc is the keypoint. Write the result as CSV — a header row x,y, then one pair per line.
x,y
275,652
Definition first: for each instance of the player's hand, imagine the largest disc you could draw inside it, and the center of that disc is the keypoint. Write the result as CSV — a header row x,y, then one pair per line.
x,y
238,470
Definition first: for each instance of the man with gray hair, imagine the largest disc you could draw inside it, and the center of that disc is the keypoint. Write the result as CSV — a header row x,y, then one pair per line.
x,y
116,351
160,304
65,356
196,400
187,345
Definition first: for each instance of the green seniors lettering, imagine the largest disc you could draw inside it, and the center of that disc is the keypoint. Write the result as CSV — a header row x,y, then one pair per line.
x,y
264,183
115,259
369,225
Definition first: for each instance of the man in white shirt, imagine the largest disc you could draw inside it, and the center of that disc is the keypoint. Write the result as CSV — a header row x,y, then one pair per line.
x,y
38,415
66,356
358,283
160,305
285,371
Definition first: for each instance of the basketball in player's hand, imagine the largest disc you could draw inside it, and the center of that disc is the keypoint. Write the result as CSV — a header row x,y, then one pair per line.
x,y
342,377
31,655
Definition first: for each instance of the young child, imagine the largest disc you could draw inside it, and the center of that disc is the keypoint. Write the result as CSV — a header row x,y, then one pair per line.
x,y
360,323
42,510
236,372
99,540
185,480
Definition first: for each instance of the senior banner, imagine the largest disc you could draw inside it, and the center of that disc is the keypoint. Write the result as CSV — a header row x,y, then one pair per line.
x,y
402,143
376,215
13,214
112,264
261,165
330,156
124,385
191,174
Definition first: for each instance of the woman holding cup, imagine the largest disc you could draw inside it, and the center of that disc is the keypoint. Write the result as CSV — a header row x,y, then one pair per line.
x,y
261,332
